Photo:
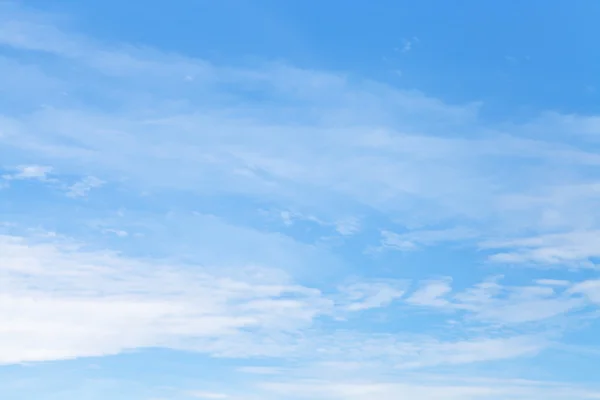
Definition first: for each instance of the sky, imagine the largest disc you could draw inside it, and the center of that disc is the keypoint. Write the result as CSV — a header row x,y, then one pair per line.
x,y
293,200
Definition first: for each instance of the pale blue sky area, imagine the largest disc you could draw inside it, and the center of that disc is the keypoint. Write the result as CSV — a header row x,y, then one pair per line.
x,y
293,200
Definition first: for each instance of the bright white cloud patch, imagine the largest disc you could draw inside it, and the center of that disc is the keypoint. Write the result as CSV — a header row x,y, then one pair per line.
x,y
83,187
363,296
432,294
60,302
208,395
572,248
29,172
319,389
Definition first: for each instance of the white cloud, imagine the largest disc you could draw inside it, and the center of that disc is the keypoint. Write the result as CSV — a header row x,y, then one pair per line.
x,y
575,248
426,389
492,302
366,295
61,302
38,172
529,305
417,179
261,370
414,239
432,294
591,289
384,391
553,282
350,144
345,226
391,240
348,226
408,44
83,187
117,232
207,395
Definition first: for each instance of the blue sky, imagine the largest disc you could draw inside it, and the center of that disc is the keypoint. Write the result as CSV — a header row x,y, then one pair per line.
x,y
299,200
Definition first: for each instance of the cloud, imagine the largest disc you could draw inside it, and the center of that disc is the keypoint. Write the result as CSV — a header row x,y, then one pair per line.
x,y
418,238
257,162
346,390
576,248
261,370
37,172
359,144
424,388
42,173
348,226
61,302
590,288
345,226
83,187
390,240
408,44
207,395
366,295
117,232
553,282
431,294
363,154
491,302
525,304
